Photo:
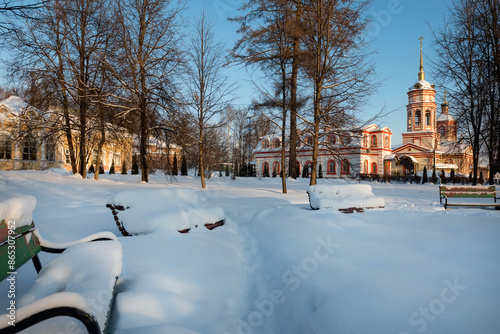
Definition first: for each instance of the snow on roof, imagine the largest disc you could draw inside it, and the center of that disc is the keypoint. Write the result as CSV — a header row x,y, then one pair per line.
x,y
452,147
14,104
422,84
446,166
445,117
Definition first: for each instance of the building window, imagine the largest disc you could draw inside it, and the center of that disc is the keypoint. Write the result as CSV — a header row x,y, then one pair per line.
x,y
332,140
442,130
117,158
409,120
265,169
265,144
308,141
428,118
374,141
67,159
345,168
365,140
29,148
331,167
50,150
417,118
387,144
374,168
365,167
276,168
276,143
5,147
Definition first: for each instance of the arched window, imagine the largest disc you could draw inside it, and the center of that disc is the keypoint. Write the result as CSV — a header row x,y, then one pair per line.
x,y
332,140
29,148
442,130
276,143
428,118
374,168
308,141
5,147
409,120
345,168
265,143
386,142
276,168
265,169
365,167
331,167
374,141
417,118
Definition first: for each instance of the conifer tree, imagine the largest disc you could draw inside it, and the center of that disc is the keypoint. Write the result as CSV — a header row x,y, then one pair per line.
x,y
124,168
175,171
112,167
101,168
184,169
135,166
425,179
320,172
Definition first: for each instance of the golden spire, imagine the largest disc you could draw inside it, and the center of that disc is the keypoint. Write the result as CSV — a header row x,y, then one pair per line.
x,y
421,74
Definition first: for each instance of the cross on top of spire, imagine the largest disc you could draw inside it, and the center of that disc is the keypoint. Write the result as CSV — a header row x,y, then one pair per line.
x,y
421,74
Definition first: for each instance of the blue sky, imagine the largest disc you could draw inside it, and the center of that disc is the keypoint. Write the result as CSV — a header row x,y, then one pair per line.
x,y
396,27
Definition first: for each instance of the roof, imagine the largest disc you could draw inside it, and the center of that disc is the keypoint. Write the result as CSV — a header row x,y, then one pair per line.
x,y
14,104
422,84
445,117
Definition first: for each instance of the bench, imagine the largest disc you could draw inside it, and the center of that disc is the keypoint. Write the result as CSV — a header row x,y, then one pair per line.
x,y
346,198
143,211
78,283
446,192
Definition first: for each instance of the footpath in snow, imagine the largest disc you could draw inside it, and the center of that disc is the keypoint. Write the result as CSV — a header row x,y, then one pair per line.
x,y
277,266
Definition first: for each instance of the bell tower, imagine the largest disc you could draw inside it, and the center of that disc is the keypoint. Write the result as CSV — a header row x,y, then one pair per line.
x,y
421,111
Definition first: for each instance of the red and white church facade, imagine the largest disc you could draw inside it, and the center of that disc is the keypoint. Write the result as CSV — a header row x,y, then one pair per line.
x,y
429,141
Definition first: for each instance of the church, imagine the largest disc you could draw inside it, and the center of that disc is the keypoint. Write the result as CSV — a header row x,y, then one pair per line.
x,y
430,141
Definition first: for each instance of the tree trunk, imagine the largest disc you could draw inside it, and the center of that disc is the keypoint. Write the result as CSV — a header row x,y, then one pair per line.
x,y
200,152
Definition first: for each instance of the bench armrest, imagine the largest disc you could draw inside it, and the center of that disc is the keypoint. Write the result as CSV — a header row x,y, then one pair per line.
x,y
59,247
65,304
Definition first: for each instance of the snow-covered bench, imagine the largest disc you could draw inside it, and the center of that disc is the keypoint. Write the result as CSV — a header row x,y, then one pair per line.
x,y
78,283
142,211
346,198
446,192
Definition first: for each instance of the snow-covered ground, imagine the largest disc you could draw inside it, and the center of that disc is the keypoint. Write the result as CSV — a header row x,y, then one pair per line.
x,y
277,266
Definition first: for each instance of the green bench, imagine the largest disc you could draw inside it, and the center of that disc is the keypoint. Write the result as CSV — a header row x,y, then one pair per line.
x,y
446,192
78,283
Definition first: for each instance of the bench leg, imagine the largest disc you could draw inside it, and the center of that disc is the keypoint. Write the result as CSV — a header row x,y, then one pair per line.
x,y
37,263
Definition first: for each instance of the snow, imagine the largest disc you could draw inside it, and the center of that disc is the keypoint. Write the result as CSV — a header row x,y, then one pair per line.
x,y
277,266
343,196
14,104
147,210
18,209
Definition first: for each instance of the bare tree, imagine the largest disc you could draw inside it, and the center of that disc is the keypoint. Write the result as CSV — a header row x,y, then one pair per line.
x,y
145,60
208,88
336,64
466,72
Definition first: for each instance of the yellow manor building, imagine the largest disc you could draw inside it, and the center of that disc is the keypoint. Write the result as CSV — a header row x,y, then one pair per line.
x,y
30,139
